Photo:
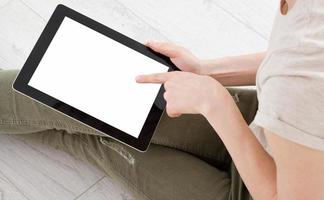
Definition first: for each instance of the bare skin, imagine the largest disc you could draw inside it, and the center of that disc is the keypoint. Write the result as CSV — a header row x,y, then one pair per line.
x,y
229,71
198,89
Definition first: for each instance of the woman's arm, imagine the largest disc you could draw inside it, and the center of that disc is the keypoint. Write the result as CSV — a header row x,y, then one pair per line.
x,y
229,71
234,70
255,165
190,93
295,173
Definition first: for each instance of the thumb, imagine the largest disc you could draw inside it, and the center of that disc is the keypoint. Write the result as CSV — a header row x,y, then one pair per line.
x,y
168,49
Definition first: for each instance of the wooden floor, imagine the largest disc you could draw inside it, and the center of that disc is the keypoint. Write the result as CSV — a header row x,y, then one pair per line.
x,y
209,28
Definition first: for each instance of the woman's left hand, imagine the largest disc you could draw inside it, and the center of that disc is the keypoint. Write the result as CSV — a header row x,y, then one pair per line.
x,y
188,93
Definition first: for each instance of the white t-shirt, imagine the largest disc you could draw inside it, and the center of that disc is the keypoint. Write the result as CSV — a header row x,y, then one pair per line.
x,y
290,80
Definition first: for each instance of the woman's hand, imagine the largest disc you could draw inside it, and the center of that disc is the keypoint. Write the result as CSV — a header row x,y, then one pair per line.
x,y
229,71
188,93
180,56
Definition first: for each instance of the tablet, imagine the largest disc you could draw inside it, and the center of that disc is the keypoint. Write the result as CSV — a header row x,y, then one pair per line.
x,y
87,71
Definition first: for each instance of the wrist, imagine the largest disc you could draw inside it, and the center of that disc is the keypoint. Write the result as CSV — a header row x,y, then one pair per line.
x,y
209,67
216,101
200,65
214,97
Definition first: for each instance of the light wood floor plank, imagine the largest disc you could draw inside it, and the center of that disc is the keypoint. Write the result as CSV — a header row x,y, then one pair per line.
x,y
255,14
8,191
108,12
115,192
3,3
205,29
3,63
20,28
41,172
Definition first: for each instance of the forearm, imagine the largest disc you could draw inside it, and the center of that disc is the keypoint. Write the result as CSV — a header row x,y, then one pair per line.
x,y
254,164
235,70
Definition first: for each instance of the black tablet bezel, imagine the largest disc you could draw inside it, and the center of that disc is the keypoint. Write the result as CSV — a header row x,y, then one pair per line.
x,y
21,83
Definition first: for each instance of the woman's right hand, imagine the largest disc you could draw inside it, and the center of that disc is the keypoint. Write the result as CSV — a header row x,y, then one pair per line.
x,y
179,56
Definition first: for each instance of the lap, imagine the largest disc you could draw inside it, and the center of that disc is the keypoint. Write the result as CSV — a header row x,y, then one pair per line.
x,y
175,172
190,133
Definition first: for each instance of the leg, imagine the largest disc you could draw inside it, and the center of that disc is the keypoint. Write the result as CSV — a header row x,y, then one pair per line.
x,y
190,133
160,173
20,114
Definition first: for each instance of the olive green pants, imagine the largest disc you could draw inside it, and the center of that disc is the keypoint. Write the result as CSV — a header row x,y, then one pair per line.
x,y
186,159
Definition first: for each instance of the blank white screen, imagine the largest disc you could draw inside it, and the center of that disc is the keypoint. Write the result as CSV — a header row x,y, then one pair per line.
x,y
96,75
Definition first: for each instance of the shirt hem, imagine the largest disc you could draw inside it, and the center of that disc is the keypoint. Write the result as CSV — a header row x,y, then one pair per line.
x,y
283,129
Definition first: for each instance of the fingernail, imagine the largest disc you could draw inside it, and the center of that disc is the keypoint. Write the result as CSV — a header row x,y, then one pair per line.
x,y
138,78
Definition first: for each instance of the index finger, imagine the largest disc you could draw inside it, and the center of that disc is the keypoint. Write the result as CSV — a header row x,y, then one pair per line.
x,y
154,78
